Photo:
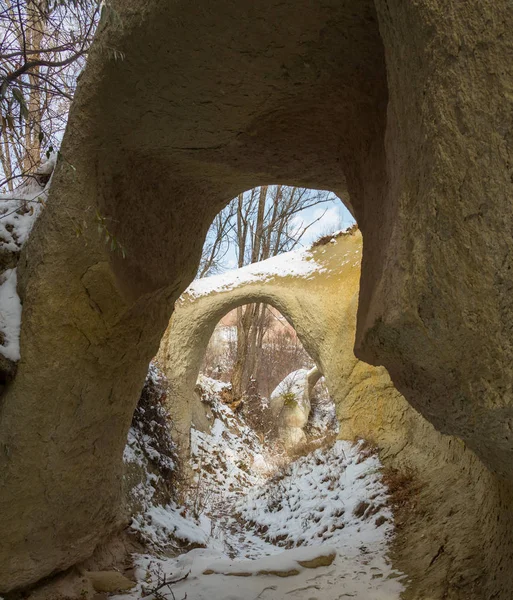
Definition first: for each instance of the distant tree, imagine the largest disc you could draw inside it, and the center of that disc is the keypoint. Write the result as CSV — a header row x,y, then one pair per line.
x,y
266,227
257,225
217,243
280,353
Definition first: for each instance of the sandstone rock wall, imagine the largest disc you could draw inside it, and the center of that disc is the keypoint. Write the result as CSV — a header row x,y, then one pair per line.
x,y
402,108
156,164
433,307
320,305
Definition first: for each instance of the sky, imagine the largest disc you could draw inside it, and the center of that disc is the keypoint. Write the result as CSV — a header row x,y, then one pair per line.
x,y
332,217
329,217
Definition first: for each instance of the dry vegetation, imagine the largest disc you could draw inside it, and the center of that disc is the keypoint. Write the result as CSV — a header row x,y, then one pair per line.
x,y
326,239
277,353
404,488
311,445
151,419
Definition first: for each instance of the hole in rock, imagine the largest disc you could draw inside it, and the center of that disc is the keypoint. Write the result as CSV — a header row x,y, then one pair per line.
x,y
247,366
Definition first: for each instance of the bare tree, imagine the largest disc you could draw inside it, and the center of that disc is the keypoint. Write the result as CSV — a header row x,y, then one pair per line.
x,y
217,242
282,353
257,225
43,46
268,216
279,353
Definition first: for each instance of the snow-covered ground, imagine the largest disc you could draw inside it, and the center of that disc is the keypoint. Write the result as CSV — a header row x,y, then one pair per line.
x,y
260,535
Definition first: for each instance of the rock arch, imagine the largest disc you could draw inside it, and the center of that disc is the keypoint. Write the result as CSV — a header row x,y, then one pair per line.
x,y
403,105
318,294
319,302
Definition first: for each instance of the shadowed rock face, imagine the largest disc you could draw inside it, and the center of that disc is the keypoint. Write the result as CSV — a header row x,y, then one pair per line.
x,y
433,305
404,109
321,306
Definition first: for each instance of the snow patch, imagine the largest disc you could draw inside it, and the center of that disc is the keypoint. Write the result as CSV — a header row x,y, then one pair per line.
x,y
18,213
161,524
315,502
228,459
10,316
20,208
254,531
286,562
294,383
299,263
336,491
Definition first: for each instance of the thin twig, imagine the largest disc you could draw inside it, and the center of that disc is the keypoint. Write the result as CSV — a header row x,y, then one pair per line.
x,y
150,592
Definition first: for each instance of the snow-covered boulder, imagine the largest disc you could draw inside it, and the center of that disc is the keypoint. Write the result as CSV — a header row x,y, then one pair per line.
x,y
290,405
292,394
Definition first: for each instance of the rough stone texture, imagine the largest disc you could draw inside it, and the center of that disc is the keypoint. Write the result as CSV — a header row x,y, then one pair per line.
x,y
291,437
109,581
71,584
436,303
320,561
407,108
207,101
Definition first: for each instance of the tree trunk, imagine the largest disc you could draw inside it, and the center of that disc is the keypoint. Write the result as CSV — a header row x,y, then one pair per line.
x,y
34,37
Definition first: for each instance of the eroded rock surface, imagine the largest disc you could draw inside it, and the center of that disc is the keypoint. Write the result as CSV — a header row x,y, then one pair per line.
x,y
290,405
311,289
402,108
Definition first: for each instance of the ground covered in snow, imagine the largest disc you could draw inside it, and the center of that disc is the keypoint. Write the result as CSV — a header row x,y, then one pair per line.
x,y
317,528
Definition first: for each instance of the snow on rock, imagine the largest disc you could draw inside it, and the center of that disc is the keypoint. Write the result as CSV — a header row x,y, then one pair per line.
x,y
290,405
20,208
294,388
18,212
285,564
294,383
10,316
299,263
